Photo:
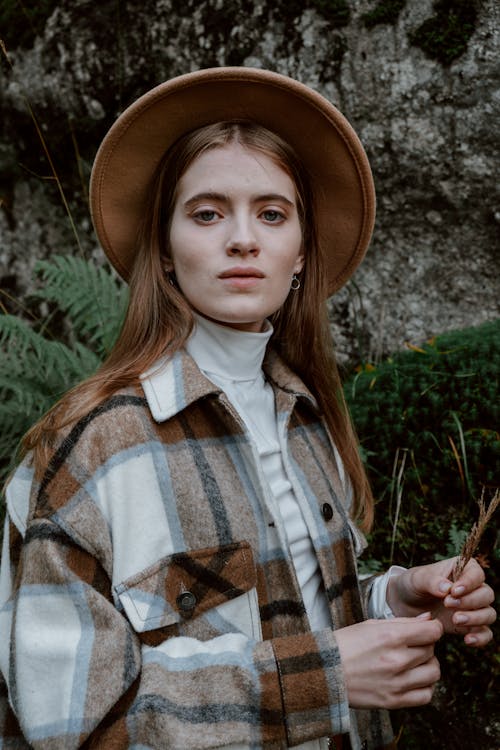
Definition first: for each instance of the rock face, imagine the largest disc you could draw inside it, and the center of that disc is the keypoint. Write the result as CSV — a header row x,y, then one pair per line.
x,y
429,129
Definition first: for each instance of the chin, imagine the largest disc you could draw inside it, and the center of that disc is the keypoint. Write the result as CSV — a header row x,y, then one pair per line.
x,y
235,320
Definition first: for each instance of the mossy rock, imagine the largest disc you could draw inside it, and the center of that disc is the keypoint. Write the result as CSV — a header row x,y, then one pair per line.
x,y
335,11
444,36
384,12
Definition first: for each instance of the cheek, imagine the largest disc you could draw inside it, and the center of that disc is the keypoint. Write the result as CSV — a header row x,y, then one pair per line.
x,y
181,263
190,268
181,252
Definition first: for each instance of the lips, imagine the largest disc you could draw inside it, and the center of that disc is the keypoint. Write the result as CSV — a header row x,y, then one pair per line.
x,y
241,272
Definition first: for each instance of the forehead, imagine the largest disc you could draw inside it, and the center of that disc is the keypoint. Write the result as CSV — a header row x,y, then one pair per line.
x,y
234,164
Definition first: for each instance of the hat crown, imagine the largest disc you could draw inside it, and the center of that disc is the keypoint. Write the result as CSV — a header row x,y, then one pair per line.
x,y
320,135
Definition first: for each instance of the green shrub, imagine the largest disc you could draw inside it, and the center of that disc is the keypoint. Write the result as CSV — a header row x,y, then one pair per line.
x,y
428,421
38,366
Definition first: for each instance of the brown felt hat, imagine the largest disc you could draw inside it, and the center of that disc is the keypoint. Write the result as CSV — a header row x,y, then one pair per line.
x,y
319,133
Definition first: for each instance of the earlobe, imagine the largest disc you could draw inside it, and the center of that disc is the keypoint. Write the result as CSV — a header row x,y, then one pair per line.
x,y
299,264
167,265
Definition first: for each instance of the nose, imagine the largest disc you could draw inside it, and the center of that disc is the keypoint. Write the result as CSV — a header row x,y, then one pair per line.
x,y
242,239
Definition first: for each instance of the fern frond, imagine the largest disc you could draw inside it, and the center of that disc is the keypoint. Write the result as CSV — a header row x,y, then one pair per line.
x,y
36,370
16,335
24,396
91,297
20,406
457,538
34,374
28,354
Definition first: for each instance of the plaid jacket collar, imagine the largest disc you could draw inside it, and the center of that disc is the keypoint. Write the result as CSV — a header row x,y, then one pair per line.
x,y
174,383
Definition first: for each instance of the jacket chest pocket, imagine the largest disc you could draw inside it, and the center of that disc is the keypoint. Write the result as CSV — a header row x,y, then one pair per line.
x,y
201,593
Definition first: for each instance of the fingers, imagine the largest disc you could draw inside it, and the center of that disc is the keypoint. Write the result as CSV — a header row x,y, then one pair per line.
x,y
476,618
390,663
471,578
422,676
414,686
436,578
416,657
472,615
418,631
413,698
478,598
471,598
478,637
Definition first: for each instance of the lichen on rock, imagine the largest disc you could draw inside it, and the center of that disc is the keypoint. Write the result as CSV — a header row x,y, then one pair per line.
x,y
428,129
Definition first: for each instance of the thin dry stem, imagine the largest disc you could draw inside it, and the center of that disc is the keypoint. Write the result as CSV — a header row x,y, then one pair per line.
x,y
399,493
474,536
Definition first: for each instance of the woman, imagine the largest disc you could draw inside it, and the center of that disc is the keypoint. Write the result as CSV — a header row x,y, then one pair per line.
x,y
179,565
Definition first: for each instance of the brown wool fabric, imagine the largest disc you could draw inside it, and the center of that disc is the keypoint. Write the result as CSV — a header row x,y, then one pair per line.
x,y
274,684
322,137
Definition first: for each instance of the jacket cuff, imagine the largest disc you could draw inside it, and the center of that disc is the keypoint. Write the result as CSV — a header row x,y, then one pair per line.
x,y
313,692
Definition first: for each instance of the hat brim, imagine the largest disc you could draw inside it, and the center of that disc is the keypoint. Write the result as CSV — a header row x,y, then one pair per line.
x,y
322,137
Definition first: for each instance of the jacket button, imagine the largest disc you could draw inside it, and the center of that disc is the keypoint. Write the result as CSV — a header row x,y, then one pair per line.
x,y
186,601
327,511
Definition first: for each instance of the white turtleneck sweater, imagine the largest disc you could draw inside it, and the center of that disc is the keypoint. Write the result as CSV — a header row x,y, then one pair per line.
x,y
232,359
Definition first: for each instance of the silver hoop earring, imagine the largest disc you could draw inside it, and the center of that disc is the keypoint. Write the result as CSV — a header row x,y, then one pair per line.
x,y
295,283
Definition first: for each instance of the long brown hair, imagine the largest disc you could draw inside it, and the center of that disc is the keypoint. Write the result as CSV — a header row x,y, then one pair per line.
x,y
159,319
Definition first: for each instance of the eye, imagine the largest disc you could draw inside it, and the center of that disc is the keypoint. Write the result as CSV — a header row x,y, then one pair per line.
x,y
206,216
272,216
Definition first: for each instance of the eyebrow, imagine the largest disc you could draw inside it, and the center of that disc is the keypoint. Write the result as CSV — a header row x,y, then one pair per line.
x,y
222,198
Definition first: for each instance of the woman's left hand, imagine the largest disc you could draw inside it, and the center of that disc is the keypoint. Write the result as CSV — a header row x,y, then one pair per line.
x,y
463,606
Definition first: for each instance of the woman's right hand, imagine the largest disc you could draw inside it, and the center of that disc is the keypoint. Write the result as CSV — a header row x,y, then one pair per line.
x,y
390,663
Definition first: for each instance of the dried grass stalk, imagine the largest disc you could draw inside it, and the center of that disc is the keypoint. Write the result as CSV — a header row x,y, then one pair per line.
x,y
474,536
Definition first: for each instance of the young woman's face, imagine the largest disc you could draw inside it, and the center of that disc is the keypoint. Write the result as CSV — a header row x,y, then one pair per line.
x,y
235,236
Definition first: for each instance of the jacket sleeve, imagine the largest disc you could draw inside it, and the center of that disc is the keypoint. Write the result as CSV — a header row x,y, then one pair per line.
x,y
10,735
78,673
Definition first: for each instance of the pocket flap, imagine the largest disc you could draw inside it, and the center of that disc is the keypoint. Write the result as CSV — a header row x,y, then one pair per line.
x,y
186,584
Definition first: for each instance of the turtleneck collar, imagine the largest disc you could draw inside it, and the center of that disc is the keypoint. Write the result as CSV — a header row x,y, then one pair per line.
x,y
227,352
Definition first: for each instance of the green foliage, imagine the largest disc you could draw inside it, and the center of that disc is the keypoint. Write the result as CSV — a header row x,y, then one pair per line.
x,y
445,35
22,21
35,369
456,540
386,11
91,298
428,420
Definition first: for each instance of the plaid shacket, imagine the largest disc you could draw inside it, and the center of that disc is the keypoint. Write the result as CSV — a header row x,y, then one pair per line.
x,y
149,596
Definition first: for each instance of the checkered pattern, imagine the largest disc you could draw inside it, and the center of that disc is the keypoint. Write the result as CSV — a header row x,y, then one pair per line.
x,y
150,600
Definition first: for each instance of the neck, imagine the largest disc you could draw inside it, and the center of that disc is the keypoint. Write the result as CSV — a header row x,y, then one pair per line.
x,y
228,352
